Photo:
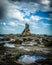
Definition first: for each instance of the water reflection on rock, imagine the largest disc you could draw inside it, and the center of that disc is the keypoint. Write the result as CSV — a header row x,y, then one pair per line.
x,y
28,59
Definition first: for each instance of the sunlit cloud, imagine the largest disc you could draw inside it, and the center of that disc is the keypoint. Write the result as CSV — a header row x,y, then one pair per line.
x,y
15,14
46,2
36,18
4,23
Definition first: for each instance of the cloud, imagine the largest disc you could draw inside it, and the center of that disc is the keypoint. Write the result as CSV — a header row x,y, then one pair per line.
x,y
12,24
30,21
4,23
31,7
20,12
35,1
45,2
48,18
27,6
23,25
35,27
8,29
50,15
15,14
44,5
46,24
2,9
36,18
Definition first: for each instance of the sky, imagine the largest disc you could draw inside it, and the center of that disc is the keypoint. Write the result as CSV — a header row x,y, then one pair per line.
x,y
14,14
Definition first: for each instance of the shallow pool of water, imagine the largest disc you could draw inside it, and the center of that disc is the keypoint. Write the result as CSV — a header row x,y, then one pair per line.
x,y
29,59
9,45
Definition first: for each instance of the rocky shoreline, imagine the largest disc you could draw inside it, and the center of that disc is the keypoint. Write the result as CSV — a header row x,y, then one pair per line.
x,y
12,47
11,56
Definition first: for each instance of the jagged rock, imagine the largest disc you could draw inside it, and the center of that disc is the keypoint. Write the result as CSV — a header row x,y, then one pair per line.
x,y
37,40
27,39
47,43
2,48
33,64
26,30
44,61
9,63
18,41
8,60
6,38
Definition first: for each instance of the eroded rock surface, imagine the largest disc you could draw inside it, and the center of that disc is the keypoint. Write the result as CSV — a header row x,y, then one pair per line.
x,y
26,30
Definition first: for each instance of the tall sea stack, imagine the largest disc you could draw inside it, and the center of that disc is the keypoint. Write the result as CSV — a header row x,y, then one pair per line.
x,y
26,30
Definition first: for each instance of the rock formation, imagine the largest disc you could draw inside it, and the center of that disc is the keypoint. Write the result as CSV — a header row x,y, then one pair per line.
x,y
26,30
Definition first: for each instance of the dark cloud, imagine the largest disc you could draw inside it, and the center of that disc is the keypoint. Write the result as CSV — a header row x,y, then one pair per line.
x,y
41,6
2,12
45,5
37,1
26,0
50,3
2,9
15,0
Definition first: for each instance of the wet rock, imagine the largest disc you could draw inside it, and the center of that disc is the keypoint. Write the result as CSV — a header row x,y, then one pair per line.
x,y
44,61
18,41
9,63
27,39
34,43
37,40
33,64
46,42
40,45
7,38
8,59
2,48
